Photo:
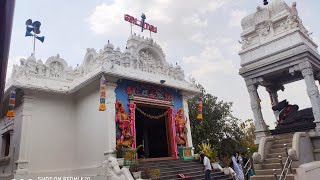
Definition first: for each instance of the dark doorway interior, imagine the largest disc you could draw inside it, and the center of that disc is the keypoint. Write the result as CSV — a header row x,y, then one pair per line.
x,y
152,133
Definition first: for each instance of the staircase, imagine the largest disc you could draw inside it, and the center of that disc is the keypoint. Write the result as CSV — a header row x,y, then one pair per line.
x,y
265,172
169,169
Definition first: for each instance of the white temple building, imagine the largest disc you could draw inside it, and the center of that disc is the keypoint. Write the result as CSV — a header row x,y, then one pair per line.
x,y
58,129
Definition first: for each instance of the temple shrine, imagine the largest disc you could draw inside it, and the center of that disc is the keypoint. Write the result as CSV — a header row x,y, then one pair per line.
x,y
62,121
276,50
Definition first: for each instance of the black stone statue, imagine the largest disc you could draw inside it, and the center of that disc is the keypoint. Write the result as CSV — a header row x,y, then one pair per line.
x,y
290,115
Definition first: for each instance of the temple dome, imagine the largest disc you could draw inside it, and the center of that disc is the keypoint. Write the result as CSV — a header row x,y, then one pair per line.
x,y
108,47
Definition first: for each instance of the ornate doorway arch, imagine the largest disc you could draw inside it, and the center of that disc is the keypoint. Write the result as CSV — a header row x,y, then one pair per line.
x,y
166,102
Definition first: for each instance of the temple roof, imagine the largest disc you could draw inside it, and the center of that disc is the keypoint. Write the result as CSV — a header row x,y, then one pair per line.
x,y
271,22
143,60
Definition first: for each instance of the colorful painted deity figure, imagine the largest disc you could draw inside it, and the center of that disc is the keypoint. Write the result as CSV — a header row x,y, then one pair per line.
x,y
181,128
124,122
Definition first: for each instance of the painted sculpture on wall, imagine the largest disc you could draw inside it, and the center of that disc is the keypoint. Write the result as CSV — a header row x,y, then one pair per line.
x,y
149,91
181,128
113,171
124,137
290,114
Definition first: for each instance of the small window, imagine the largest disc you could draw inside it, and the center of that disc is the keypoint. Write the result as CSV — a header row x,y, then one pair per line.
x,y
6,139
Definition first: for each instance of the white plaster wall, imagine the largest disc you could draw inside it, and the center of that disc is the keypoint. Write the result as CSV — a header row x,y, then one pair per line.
x,y
51,144
306,150
309,171
91,127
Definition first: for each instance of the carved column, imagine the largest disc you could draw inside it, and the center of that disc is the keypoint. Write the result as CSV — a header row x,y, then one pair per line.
x,y
261,128
110,113
186,115
273,93
22,162
312,89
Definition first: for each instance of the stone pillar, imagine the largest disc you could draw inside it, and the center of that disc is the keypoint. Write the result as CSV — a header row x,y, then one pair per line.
x,y
111,114
22,162
274,101
272,90
312,89
261,128
274,97
186,115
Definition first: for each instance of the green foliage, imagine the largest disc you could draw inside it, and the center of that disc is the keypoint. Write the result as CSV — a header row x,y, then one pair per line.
x,y
121,151
209,151
150,173
130,156
225,161
218,125
248,128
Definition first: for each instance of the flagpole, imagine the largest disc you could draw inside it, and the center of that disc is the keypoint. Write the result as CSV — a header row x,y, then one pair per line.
x,y
34,45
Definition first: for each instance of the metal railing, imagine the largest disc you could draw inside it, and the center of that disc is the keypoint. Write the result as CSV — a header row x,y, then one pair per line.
x,y
284,168
247,167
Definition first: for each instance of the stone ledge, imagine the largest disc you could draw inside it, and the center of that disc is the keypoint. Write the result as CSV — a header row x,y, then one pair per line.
x,y
5,160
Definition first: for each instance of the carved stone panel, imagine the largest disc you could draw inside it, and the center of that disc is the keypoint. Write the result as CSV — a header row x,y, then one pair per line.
x,y
56,69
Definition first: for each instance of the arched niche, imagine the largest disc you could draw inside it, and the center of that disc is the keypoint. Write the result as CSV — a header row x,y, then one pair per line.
x,y
57,66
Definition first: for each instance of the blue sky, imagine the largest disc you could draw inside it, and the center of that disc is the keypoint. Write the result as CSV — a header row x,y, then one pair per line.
x,y
201,37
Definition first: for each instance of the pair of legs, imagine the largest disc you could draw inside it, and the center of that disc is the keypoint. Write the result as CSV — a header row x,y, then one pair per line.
x,y
207,175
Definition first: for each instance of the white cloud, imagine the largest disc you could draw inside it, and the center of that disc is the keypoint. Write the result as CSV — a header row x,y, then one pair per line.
x,y
236,16
209,61
209,41
195,20
107,19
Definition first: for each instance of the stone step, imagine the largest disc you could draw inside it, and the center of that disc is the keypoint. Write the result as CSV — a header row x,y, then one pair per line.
x,y
201,176
289,145
170,167
277,150
271,172
162,162
169,164
274,160
271,166
276,155
178,171
269,177
284,136
193,174
267,172
282,141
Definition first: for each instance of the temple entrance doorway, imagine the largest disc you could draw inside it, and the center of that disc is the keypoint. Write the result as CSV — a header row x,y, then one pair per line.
x,y
152,131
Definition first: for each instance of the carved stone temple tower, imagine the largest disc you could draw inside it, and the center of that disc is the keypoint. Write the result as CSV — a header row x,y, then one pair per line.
x,y
277,50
